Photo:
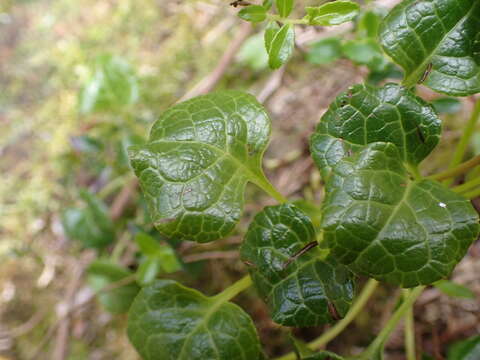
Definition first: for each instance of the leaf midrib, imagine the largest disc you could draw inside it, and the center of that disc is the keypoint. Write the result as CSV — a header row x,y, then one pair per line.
x,y
411,79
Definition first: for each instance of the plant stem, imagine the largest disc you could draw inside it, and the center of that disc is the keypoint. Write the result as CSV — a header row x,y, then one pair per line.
x,y
472,194
467,186
465,139
460,169
267,186
278,18
234,289
331,333
409,331
379,341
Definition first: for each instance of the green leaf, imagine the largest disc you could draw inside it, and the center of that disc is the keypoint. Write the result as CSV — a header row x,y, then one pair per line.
x,y
200,155
159,256
148,270
368,24
441,34
270,31
91,225
305,291
253,52
113,86
168,321
253,13
280,45
366,114
284,7
382,224
465,350
455,290
103,273
325,51
365,52
147,244
447,105
267,4
332,13
324,355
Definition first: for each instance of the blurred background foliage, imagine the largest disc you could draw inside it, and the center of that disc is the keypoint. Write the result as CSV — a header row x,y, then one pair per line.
x,y
82,81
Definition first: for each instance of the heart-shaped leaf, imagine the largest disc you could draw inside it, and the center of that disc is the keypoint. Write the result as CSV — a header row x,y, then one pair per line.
x,y
436,41
332,13
299,288
381,224
200,155
366,114
168,321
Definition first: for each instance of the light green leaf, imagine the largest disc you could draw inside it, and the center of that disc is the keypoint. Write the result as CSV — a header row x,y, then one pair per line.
x,y
284,7
168,321
281,45
90,224
325,51
324,355
436,41
147,244
306,291
455,290
103,273
365,52
148,270
253,52
270,31
200,155
332,13
113,86
366,114
382,224
368,24
447,105
267,4
253,13
465,350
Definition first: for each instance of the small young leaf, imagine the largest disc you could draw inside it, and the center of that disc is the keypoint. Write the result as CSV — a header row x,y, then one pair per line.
x,y
368,24
325,51
299,291
332,13
280,46
465,350
147,244
148,270
382,224
253,53
447,105
455,290
112,86
103,273
270,31
366,114
169,321
365,52
438,35
91,225
284,7
200,155
253,13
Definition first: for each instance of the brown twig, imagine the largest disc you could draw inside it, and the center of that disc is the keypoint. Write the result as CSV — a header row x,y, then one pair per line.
x,y
122,199
209,82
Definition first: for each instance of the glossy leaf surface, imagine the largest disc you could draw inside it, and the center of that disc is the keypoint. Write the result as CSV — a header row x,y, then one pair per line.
x,y
168,321
90,224
366,114
299,293
279,44
332,13
382,224
200,155
441,34
103,273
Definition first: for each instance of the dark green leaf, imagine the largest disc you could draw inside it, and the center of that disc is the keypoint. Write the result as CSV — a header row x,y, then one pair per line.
x,y
168,321
366,114
455,290
104,273
382,224
436,34
305,291
280,46
365,52
91,224
112,86
325,51
253,13
200,155
465,350
447,105
284,7
332,13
